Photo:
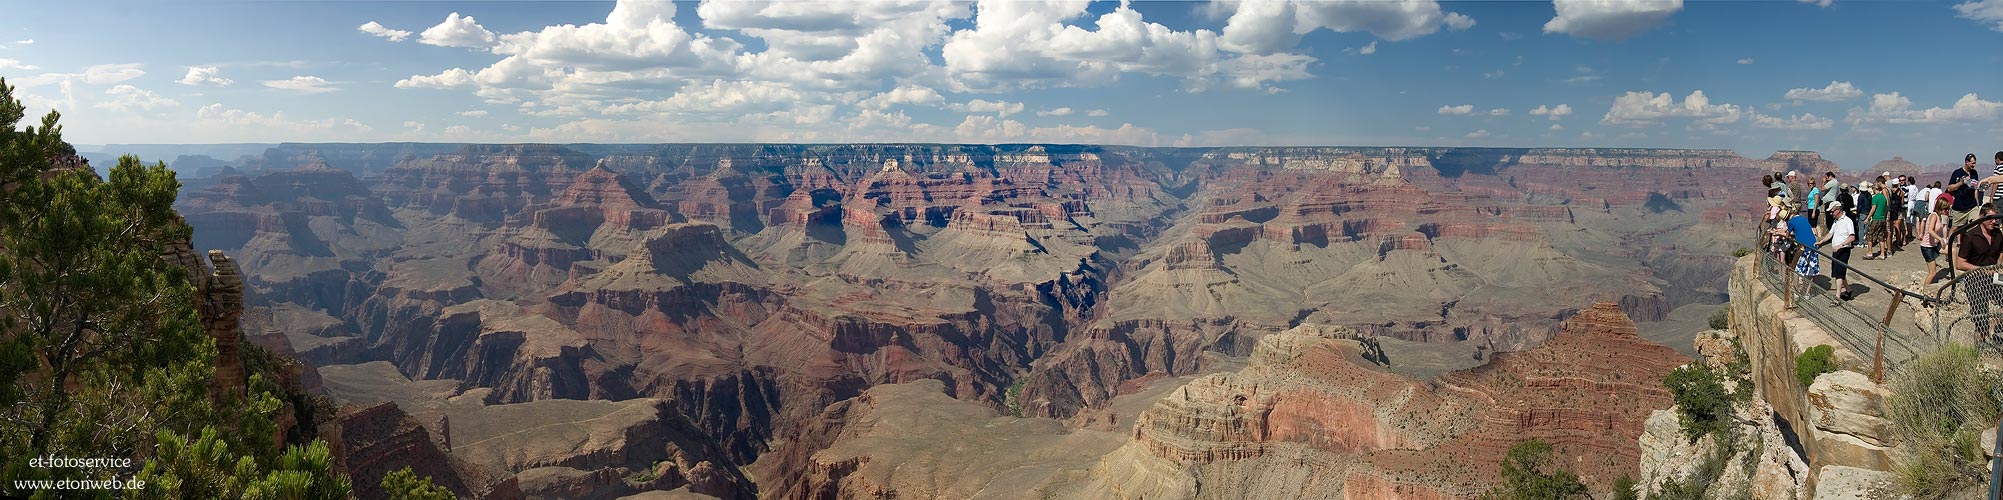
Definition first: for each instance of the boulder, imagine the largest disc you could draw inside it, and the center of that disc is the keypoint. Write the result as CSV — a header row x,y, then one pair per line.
x,y
1839,482
1844,408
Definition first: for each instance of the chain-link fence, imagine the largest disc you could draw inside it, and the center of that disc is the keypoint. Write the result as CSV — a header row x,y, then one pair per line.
x,y
1876,328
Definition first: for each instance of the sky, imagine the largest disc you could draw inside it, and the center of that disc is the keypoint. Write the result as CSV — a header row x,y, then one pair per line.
x,y
1858,81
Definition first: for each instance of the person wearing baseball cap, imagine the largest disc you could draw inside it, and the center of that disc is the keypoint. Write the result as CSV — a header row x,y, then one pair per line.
x,y
1842,234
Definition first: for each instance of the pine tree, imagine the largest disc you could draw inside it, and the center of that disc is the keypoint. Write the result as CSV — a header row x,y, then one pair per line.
x,y
404,484
101,351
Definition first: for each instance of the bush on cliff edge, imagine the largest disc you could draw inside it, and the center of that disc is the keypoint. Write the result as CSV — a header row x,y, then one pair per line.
x,y
1701,400
1938,408
1812,363
1529,472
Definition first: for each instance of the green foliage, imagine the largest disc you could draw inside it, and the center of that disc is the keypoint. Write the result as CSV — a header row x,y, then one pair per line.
x,y
207,468
404,484
1013,396
101,351
1625,489
1741,252
1701,400
1939,406
1815,361
1722,318
1529,473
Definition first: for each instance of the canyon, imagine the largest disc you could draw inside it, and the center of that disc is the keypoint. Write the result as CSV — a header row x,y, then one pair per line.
x,y
742,320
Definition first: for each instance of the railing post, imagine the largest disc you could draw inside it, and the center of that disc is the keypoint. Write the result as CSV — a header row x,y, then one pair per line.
x,y
1878,354
1787,292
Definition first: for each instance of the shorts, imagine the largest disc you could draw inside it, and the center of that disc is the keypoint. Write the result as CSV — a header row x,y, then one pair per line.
x,y
1929,253
1809,265
1841,268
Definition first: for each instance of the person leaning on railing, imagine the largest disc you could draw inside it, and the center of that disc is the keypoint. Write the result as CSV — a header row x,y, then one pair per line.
x,y
1802,254
1977,256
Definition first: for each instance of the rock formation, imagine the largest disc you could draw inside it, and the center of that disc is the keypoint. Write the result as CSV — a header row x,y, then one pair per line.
x,y
747,287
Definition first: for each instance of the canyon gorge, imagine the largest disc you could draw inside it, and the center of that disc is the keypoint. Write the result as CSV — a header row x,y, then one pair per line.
x,y
972,321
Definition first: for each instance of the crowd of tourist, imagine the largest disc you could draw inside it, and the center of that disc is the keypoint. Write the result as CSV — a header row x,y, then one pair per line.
x,y
1882,216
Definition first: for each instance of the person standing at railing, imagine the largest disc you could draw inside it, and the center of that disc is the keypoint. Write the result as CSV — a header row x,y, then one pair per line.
x,y
1976,256
1933,233
1829,188
1842,234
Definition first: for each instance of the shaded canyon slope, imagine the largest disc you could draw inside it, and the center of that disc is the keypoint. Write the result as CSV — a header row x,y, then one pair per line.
x,y
742,289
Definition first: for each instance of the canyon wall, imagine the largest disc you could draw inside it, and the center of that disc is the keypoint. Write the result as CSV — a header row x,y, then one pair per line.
x,y
748,287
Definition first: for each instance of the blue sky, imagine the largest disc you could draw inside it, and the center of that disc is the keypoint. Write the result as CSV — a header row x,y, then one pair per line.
x,y
1858,81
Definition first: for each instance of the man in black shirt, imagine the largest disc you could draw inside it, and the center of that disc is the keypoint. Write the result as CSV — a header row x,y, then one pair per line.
x,y
1961,184
1977,255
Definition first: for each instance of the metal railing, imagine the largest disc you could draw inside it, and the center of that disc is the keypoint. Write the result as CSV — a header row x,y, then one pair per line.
x,y
1874,332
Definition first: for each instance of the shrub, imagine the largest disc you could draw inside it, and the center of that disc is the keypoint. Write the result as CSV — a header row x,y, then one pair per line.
x,y
1721,319
1741,252
1814,362
1529,472
1701,399
405,484
1624,488
1938,408
1013,396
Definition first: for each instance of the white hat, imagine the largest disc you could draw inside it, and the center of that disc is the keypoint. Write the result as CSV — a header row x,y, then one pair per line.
x,y
1790,173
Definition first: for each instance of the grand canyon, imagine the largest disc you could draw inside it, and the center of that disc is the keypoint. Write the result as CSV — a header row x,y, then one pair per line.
x,y
968,321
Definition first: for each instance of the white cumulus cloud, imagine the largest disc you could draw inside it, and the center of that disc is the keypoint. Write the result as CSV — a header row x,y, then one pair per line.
x,y
903,94
1609,19
1461,110
477,113
1648,108
16,64
999,108
1988,12
127,98
1897,109
1498,112
1836,91
1054,112
205,75
1807,121
1096,113
457,31
302,84
111,73
1745,60
1558,112
1267,26
1478,134
377,29
1817,3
